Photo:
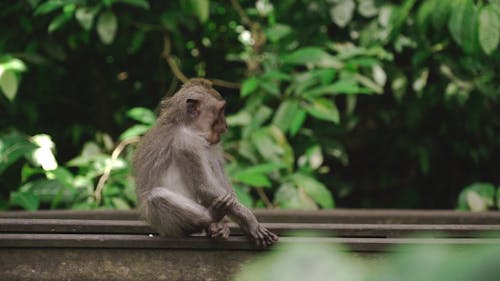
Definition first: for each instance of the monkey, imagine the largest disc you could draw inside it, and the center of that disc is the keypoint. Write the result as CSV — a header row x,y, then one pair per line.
x,y
181,184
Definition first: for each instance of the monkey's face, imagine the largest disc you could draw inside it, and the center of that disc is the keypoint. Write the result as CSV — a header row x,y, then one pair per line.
x,y
208,118
218,125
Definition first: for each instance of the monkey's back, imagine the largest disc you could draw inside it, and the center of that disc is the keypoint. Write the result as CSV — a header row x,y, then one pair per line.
x,y
151,156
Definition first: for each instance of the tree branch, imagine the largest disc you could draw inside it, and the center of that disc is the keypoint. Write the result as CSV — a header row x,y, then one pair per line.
x,y
264,198
225,84
107,171
244,18
170,60
166,54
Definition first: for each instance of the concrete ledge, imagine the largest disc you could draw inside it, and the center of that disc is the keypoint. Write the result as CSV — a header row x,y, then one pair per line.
x,y
116,245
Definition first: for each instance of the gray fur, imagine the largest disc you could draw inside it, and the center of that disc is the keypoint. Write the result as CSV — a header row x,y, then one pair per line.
x,y
181,185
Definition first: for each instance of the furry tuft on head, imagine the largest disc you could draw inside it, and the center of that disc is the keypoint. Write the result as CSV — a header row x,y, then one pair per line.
x,y
198,82
193,85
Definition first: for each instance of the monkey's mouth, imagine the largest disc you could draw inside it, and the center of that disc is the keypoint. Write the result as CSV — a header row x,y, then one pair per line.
x,y
215,139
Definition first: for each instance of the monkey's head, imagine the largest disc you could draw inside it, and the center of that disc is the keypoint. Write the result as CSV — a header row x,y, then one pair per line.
x,y
200,108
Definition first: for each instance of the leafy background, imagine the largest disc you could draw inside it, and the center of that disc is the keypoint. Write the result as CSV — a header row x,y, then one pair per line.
x,y
337,103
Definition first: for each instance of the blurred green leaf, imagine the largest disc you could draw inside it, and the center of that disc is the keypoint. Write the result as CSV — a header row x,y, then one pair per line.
x,y
348,87
398,86
89,153
314,156
28,171
326,75
367,8
134,131
9,84
370,84
48,7
461,13
8,62
85,16
489,29
137,42
342,12
277,31
424,16
266,146
323,109
50,191
262,114
43,156
26,200
13,146
399,16
297,121
144,4
477,197
285,114
59,21
201,8
276,75
286,150
442,12
270,87
120,204
253,179
315,189
312,55
242,118
249,86
107,25
143,115
379,76
63,175
289,197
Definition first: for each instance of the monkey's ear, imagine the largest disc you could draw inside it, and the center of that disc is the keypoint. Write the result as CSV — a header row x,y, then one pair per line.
x,y
193,107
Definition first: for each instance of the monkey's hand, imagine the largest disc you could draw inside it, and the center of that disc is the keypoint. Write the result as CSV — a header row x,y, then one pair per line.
x,y
219,207
218,230
261,236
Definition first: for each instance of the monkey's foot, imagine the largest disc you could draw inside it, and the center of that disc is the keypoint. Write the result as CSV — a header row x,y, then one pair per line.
x,y
262,237
218,230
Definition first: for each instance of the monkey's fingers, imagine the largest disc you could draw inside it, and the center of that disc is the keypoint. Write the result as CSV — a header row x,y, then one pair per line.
x,y
221,202
259,238
267,237
229,203
270,237
219,231
225,233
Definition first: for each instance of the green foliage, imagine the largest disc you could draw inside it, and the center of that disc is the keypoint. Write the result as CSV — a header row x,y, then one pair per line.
x,y
341,102
316,261
10,68
47,185
479,197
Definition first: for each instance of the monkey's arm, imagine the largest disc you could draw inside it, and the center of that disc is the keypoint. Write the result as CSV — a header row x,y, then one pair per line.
x,y
208,190
196,177
202,184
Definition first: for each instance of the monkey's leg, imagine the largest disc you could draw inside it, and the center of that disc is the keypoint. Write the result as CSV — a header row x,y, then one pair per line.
x,y
173,214
200,182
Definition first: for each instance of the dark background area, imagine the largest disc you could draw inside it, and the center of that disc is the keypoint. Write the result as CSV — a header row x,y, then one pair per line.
x,y
405,148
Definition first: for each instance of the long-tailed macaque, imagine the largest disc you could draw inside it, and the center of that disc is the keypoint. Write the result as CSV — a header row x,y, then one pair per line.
x,y
181,185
